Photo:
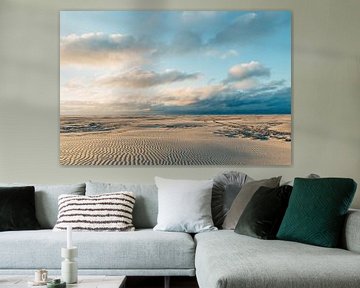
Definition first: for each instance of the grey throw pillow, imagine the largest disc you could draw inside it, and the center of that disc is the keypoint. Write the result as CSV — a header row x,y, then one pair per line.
x,y
184,205
226,187
242,199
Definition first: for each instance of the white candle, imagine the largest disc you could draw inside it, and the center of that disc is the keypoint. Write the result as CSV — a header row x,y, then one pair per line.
x,y
69,237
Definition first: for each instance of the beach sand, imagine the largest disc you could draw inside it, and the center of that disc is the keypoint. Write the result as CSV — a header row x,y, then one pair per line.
x,y
176,140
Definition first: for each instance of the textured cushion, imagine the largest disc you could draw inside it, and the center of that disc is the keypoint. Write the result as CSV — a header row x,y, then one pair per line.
x,y
106,212
146,205
225,259
243,198
17,208
144,249
226,186
184,205
317,209
263,214
46,200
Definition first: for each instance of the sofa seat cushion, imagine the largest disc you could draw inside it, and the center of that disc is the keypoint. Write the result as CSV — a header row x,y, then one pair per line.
x,y
226,259
142,249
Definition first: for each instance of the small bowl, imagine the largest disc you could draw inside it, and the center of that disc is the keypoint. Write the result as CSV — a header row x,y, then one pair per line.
x,y
56,283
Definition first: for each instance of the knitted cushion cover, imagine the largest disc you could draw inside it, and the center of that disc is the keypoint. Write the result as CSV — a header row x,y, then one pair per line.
x,y
105,212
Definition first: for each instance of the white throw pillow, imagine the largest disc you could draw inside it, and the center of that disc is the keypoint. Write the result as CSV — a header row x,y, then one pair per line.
x,y
105,212
184,205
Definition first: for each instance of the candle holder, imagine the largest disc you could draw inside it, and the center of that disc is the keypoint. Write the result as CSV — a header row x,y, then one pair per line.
x,y
69,271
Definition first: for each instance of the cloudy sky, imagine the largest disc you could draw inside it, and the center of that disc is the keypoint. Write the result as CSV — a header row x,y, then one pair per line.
x,y
177,62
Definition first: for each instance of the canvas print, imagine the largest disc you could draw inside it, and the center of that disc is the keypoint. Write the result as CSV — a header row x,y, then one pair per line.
x,y
175,88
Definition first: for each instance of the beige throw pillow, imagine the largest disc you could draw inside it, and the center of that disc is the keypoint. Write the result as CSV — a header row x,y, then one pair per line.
x,y
243,198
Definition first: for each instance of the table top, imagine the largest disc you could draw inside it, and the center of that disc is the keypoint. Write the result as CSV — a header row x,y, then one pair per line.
x,y
84,281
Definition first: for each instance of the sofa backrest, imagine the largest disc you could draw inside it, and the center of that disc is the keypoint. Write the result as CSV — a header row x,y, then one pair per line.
x,y
146,203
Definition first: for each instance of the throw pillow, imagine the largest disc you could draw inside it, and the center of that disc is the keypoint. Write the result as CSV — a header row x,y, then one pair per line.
x,y
17,209
184,205
243,198
317,209
263,215
226,187
106,212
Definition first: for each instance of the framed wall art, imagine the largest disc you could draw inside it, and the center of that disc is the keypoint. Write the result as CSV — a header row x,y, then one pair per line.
x,y
175,88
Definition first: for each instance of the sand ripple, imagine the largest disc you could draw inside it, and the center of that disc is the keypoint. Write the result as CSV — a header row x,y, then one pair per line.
x,y
169,146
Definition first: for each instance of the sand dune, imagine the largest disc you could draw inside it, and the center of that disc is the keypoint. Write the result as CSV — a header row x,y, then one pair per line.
x,y
182,140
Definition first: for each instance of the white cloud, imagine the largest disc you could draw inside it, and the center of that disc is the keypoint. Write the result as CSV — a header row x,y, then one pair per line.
x,y
187,95
244,71
142,78
99,49
244,84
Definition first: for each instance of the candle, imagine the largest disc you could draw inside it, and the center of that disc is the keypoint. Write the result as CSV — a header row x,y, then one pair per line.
x,y
69,237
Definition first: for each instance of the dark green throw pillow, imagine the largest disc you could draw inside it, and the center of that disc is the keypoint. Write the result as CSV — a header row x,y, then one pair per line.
x,y
263,214
316,211
17,208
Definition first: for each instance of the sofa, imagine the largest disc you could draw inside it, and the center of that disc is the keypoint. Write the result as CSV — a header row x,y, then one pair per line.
x,y
218,259
226,259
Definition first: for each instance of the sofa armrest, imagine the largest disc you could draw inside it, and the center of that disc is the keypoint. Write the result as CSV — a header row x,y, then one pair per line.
x,y
351,234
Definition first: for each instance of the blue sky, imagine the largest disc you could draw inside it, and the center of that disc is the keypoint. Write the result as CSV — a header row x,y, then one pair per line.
x,y
175,62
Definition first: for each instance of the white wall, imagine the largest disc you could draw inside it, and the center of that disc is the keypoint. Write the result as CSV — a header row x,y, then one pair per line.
x,y
326,91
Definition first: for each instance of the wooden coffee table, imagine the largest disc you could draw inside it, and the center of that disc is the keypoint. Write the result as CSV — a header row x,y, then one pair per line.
x,y
83,282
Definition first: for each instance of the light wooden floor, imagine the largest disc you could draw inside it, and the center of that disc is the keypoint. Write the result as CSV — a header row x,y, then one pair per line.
x,y
158,282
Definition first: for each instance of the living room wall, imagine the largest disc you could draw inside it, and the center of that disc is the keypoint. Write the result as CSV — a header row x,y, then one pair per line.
x,y
326,87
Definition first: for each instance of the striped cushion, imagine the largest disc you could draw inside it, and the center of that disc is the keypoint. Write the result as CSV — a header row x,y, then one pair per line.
x,y
105,212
